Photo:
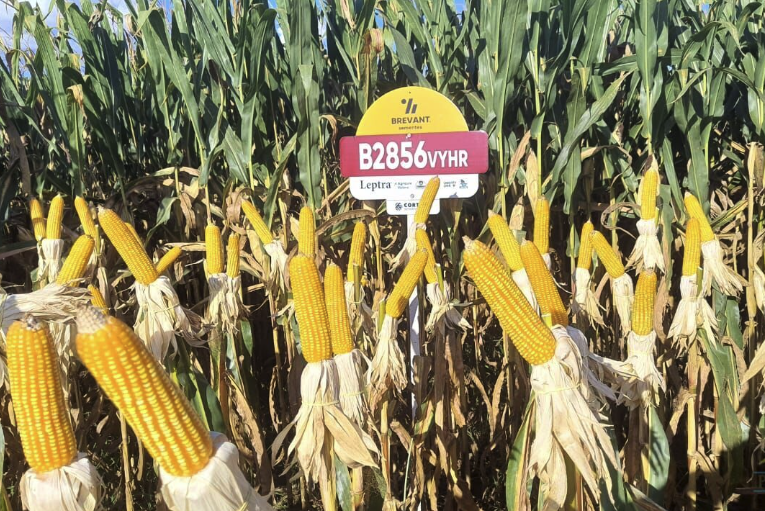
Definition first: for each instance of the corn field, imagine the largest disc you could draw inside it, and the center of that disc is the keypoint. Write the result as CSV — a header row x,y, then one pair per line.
x,y
197,315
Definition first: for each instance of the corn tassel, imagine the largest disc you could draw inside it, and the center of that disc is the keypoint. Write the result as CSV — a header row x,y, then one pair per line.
x,y
542,225
310,309
506,241
168,259
128,246
214,249
77,262
133,379
534,341
543,284
55,217
38,219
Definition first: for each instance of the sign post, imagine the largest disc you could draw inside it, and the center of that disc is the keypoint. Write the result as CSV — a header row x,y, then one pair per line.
x,y
405,138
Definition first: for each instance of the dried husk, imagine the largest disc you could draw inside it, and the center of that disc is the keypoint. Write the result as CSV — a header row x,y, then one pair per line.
x,y
160,316
352,374
276,252
388,369
647,252
219,486
410,248
53,303
358,310
547,259
50,260
758,282
74,487
443,316
692,311
226,307
566,426
624,294
592,368
521,279
716,270
585,302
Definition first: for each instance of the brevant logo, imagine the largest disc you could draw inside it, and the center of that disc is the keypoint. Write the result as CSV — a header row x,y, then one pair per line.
x,y
411,106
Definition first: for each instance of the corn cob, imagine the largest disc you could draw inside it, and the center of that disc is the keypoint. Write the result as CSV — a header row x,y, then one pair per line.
x,y
55,216
505,238
129,248
358,245
86,218
214,248
642,311
423,243
261,229
77,261
134,380
399,297
542,225
426,201
648,194
38,398
337,310
131,228
543,284
38,219
692,251
307,234
607,255
232,254
310,309
97,299
167,259
695,211
584,257
534,341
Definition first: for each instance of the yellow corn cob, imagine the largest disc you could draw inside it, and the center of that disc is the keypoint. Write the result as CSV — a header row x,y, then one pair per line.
x,y
399,297
505,238
307,234
542,225
97,299
134,380
128,246
642,310
358,245
584,257
692,251
337,310
534,341
648,194
214,248
86,218
543,284
261,229
131,228
38,219
77,261
426,201
423,243
695,211
232,254
42,415
55,216
310,309
607,255
167,259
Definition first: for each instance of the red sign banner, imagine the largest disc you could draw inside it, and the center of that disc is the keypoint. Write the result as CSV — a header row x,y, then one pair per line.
x,y
465,152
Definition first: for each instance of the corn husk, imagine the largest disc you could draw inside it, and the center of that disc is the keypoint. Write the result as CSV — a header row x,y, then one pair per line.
x,y
692,311
275,251
359,313
585,302
521,279
716,270
74,487
647,252
388,370
322,430
592,368
623,291
219,486
225,307
353,383
566,426
160,316
443,316
409,249
547,259
50,260
53,303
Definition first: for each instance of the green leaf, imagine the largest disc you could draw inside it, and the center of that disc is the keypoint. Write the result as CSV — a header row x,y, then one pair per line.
x,y
344,486
658,457
515,492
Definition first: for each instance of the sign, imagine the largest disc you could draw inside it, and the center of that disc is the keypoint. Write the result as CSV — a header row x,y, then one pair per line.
x,y
405,138
409,207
